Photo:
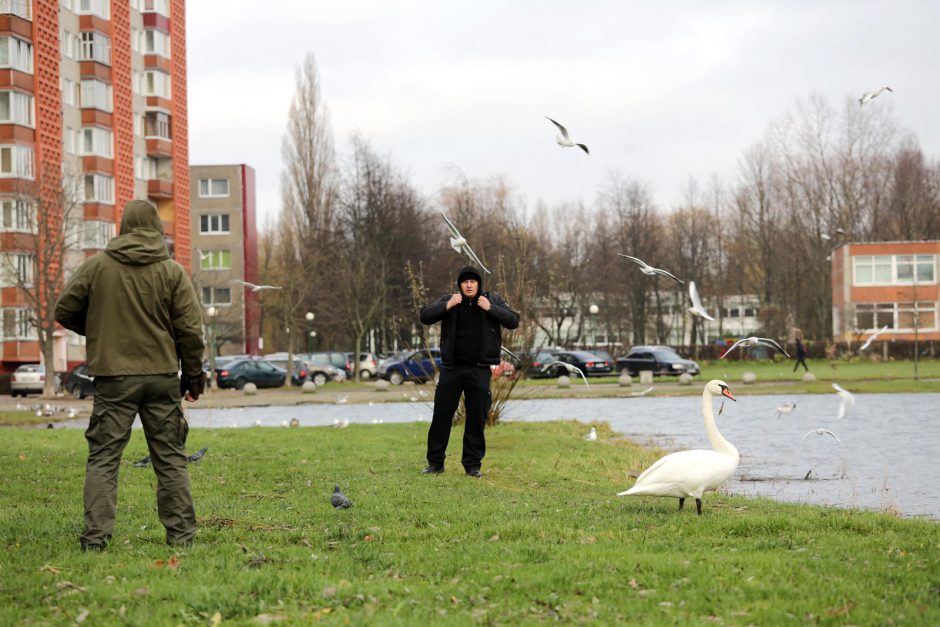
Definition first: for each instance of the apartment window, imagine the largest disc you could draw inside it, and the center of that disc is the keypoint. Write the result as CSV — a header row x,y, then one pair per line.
x,y
22,8
97,141
17,54
157,6
17,215
95,47
749,312
138,124
135,38
216,296
66,44
156,83
156,42
94,7
16,162
139,168
16,108
150,168
68,140
66,4
734,312
213,188
68,92
215,260
909,266
157,124
99,188
16,269
16,324
97,234
923,316
214,224
97,95
874,315
894,269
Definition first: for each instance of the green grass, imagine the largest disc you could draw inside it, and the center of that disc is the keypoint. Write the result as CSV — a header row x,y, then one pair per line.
x,y
541,537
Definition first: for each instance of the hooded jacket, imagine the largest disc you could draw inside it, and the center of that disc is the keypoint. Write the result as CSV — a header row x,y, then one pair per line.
x,y
500,315
136,307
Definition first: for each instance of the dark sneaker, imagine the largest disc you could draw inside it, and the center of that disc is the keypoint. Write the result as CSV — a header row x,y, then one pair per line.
x,y
474,472
433,469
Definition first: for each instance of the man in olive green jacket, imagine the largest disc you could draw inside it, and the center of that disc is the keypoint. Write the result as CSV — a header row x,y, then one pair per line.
x,y
143,326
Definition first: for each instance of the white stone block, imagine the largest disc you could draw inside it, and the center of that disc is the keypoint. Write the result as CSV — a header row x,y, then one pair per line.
x,y
809,377
646,376
309,387
749,377
564,382
625,380
250,389
685,379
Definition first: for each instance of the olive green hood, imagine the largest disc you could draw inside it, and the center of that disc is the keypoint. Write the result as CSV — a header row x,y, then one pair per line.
x,y
141,240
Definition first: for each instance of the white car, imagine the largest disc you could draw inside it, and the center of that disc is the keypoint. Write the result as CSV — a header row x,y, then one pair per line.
x,y
29,379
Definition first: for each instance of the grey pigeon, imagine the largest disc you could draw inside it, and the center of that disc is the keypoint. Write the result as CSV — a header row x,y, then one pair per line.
x,y
142,463
195,457
339,499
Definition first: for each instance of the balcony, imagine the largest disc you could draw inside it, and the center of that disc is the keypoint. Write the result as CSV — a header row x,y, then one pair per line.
x,y
159,147
160,188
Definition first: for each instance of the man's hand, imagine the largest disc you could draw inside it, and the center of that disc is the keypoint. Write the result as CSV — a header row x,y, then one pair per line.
x,y
483,302
193,387
455,300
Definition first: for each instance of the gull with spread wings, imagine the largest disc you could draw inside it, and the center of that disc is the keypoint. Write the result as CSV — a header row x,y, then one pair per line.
x,y
256,288
571,368
756,341
821,431
872,94
697,308
871,338
563,140
645,268
459,243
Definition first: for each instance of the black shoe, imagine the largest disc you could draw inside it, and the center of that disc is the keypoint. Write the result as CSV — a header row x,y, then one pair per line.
x,y
474,472
433,469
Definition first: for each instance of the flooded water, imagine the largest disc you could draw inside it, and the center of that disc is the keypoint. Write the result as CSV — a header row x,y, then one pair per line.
x,y
887,459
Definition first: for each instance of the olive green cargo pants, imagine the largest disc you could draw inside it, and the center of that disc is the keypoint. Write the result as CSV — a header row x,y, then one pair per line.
x,y
117,401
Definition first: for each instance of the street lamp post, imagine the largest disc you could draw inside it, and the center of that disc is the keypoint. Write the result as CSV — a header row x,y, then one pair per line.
x,y
593,309
309,318
210,312
312,338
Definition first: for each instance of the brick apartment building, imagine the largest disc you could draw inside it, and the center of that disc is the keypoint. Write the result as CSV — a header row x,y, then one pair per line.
x,y
93,95
225,250
886,283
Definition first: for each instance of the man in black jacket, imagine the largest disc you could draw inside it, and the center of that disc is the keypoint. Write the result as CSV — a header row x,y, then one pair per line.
x,y
471,342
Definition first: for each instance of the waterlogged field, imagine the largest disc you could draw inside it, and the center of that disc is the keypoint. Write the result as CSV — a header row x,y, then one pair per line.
x,y
541,537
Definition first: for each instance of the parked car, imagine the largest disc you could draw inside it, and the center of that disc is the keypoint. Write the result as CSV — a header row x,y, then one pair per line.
x,y
29,379
80,383
368,364
662,360
589,363
534,362
605,356
238,372
335,358
419,366
303,371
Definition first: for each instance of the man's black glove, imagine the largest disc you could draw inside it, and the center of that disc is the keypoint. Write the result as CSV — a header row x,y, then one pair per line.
x,y
194,386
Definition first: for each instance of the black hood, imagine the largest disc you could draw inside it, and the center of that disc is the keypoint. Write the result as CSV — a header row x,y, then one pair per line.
x,y
470,272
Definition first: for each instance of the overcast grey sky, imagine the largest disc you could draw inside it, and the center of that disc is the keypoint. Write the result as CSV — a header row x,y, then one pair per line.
x,y
660,91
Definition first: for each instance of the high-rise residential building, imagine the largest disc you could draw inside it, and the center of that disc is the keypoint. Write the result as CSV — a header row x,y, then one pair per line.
x,y
92,115
225,253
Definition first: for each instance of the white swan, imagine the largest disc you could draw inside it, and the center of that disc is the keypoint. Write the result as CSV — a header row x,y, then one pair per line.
x,y
690,473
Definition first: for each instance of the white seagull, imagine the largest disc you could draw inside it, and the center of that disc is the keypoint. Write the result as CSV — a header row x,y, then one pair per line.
x,y
821,431
592,435
756,341
697,308
342,400
569,367
459,243
691,473
847,400
643,393
786,408
645,268
563,140
871,338
872,94
256,288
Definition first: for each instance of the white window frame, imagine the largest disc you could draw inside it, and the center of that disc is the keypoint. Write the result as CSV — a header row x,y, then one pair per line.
x,y
20,108
98,188
207,188
97,141
16,161
22,8
156,83
214,293
157,6
211,224
16,269
101,8
96,234
18,53
210,260
97,94
17,215
94,46
19,319
860,262
157,125
156,42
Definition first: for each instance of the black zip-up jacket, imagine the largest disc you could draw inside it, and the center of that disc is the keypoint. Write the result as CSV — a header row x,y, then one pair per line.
x,y
500,315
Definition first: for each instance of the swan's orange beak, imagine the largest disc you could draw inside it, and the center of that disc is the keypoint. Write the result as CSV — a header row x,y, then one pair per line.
x,y
727,392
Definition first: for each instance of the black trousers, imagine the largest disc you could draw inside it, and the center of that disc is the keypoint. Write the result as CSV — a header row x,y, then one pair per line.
x,y
474,383
800,360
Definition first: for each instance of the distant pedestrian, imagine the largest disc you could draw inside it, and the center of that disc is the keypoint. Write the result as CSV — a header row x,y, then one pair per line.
x,y
142,322
800,355
471,326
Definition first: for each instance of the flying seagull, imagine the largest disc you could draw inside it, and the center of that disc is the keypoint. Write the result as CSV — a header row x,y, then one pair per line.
x,y
510,353
871,338
256,288
786,408
697,307
569,367
195,457
339,500
645,268
592,435
872,94
563,140
643,393
756,341
821,431
848,400
459,243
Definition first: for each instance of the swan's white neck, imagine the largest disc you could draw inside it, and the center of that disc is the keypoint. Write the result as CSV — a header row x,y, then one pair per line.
x,y
719,443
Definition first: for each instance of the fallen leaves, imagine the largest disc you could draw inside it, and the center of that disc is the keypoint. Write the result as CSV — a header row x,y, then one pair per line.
x,y
49,568
173,563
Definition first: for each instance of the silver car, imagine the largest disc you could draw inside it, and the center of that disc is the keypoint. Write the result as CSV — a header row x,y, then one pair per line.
x,y
29,379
